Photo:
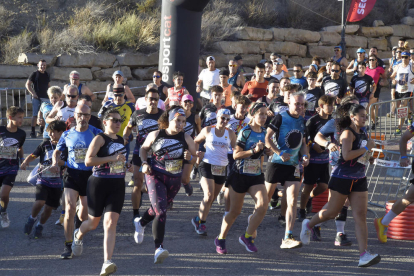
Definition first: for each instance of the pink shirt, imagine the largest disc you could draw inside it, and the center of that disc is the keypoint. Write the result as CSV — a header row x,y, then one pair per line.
x,y
375,73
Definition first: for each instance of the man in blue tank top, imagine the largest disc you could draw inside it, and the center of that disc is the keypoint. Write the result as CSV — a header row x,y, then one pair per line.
x,y
74,79
285,137
343,62
76,141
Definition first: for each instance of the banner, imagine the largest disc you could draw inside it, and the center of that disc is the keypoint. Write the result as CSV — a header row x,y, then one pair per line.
x,y
359,9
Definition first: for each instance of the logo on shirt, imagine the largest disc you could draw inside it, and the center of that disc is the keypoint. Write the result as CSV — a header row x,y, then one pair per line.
x,y
293,139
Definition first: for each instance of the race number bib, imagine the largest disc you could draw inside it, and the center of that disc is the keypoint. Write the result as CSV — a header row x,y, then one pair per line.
x,y
80,155
218,170
364,159
117,167
297,171
252,166
311,106
49,173
8,152
174,166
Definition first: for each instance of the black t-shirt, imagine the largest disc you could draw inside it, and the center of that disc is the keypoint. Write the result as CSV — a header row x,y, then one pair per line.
x,y
313,125
146,123
10,143
278,106
208,115
40,83
334,87
231,109
362,87
270,78
312,97
95,122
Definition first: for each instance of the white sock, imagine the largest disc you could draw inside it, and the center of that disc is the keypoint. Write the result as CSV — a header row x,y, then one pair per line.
x,y
388,218
340,226
33,217
39,224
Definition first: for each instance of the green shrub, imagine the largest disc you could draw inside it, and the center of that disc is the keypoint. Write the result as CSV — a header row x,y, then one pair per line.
x,y
16,45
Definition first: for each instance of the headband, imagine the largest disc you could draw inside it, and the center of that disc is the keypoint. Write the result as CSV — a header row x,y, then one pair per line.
x,y
119,89
255,107
223,111
74,76
174,113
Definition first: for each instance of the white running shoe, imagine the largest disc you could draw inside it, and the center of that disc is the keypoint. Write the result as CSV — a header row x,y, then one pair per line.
x,y
139,231
5,222
369,259
220,198
305,234
60,220
77,245
108,268
131,183
160,255
248,221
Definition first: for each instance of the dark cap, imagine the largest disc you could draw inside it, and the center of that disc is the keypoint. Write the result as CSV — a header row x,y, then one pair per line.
x,y
224,72
238,57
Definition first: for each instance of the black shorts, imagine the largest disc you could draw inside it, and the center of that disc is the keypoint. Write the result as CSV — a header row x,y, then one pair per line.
x,y
49,194
402,95
377,91
278,173
205,171
8,179
346,186
241,182
316,173
230,171
393,86
105,194
136,160
76,180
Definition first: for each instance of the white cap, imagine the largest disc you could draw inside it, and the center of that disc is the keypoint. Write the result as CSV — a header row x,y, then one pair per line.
x,y
209,58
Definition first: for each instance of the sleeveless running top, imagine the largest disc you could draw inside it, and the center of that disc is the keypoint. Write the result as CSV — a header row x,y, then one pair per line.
x,y
337,60
403,78
175,96
216,148
168,153
109,148
161,92
233,80
190,125
280,75
395,61
351,169
79,88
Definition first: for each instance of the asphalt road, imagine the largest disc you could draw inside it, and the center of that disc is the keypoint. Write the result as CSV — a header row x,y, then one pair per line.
x,y
190,254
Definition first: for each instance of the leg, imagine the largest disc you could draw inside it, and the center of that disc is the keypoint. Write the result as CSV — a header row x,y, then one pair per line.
x,y
83,209
333,207
70,198
110,222
37,207
88,225
259,194
304,197
47,212
236,200
136,191
359,201
284,204
4,197
205,205
227,199
292,192
270,188
319,189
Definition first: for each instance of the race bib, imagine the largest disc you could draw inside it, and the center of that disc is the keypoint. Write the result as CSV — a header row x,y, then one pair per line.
x,y
8,152
116,167
174,166
311,106
252,166
218,170
364,159
297,171
49,173
80,155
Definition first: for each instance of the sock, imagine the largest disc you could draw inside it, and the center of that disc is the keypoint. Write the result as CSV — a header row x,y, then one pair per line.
x,y
38,223
202,221
220,237
362,254
68,242
2,208
108,261
136,213
33,217
388,218
33,129
340,226
287,234
247,235
42,129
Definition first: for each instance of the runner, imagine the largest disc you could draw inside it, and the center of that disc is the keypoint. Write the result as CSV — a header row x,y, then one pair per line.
x,y
312,95
278,71
348,180
333,84
162,87
142,102
403,74
176,92
279,106
106,187
74,79
62,111
393,64
274,57
363,86
54,93
118,78
232,107
298,77
227,88
218,140
317,172
268,70
76,141
12,139
381,224
146,121
256,88
236,78
247,177
208,78
48,183
288,128
353,65
169,147
343,62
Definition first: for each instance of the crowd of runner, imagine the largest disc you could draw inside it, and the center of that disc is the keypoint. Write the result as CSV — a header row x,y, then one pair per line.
x,y
309,127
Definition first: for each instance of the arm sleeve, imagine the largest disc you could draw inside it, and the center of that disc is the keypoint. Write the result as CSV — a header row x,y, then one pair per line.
x,y
201,76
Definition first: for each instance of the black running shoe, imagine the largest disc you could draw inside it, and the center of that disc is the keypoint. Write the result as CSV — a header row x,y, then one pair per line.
x,y
301,215
194,172
282,220
29,226
188,189
78,222
316,234
309,206
38,231
342,240
67,252
32,135
274,204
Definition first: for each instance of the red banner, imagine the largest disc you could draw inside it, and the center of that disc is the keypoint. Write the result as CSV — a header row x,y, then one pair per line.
x,y
359,9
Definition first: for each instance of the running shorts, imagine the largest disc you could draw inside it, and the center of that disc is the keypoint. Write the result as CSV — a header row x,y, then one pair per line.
x,y
278,173
49,194
346,186
8,179
205,171
241,183
76,180
316,173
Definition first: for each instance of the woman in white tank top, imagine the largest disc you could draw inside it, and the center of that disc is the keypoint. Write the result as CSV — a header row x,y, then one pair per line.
x,y
213,167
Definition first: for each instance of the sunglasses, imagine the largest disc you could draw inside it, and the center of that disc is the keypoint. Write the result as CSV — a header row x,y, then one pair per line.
x,y
153,99
398,52
86,115
335,71
296,71
225,119
404,57
119,95
336,50
155,76
233,65
372,59
115,121
188,102
71,96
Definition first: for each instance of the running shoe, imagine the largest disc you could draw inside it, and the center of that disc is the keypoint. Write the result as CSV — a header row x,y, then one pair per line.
x,y
220,198
188,189
282,220
139,231
67,251
32,135
194,172
290,243
369,259
130,184
170,206
305,233
316,233
248,243
29,225
274,204
309,206
381,230
200,228
342,240
38,231
398,131
77,245
220,246
5,222
301,215
39,134
160,255
248,222
60,220
108,268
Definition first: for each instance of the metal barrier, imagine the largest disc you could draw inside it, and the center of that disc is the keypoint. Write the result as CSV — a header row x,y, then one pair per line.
x,y
18,97
386,179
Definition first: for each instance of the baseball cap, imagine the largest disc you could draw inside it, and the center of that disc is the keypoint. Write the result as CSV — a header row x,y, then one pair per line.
x,y
117,73
187,97
338,47
360,50
279,61
238,57
405,53
210,58
394,48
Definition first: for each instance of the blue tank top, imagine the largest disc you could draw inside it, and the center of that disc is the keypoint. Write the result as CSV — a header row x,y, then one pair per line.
x,y
290,138
233,80
79,88
45,108
395,62
77,144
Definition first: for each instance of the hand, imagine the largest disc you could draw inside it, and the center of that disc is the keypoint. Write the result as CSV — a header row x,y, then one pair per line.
x,y
198,89
412,80
23,166
249,96
371,160
305,161
58,105
332,147
187,155
268,151
40,121
404,162
126,138
200,154
285,157
54,168
259,146
146,169
120,157
270,113
34,95
370,144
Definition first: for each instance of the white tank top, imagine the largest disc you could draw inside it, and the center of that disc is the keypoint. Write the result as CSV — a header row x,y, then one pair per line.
x,y
279,76
403,78
216,148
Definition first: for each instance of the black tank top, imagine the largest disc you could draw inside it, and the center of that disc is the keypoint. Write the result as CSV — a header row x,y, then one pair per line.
x,y
109,148
168,153
190,125
161,93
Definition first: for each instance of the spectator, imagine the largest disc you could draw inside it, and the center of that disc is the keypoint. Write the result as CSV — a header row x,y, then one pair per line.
x,y
208,78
